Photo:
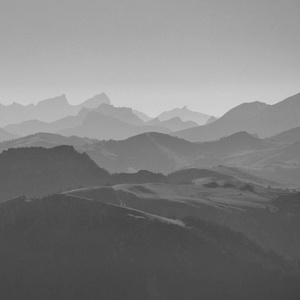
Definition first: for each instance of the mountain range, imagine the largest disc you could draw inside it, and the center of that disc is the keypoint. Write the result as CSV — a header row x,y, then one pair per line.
x,y
103,122
185,115
276,158
97,118
174,124
255,118
47,110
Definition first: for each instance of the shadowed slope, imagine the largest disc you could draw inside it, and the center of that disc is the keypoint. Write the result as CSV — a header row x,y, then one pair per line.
x,y
69,248
39,171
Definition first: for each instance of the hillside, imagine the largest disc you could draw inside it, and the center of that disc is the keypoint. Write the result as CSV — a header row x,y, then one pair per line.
x,y
78,249
268,216
164,154
39,171
287,137
142,115
124,114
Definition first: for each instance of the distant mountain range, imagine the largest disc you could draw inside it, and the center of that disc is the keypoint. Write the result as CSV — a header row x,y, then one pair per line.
x,y
211,120
124,114
185,115
48,110
97,118
142,115
34,126
173,124
104,127
103,122
255,118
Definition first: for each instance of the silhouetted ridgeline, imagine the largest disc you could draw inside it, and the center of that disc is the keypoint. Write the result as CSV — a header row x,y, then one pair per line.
x,y
63,247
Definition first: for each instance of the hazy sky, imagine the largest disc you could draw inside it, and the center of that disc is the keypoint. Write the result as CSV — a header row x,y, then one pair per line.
x,y
152,55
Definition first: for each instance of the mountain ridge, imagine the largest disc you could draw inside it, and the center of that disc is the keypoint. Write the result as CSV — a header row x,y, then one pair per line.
x,y
255,118
185,115
47,110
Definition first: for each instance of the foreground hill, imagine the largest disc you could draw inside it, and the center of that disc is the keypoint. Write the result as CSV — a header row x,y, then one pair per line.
x,y
149,151
255,118
64,247
269,216
40,171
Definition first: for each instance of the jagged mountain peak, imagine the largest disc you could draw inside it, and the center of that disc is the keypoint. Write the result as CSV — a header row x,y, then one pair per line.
x,y
59,100
95,101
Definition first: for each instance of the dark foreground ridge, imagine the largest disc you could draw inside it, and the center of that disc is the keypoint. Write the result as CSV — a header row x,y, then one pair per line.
x,y
63,247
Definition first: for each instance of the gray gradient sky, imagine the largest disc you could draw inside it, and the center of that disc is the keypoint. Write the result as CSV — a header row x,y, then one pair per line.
x,y
151,55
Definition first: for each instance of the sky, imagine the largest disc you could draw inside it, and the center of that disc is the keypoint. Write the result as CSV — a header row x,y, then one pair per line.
x,y
152,55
